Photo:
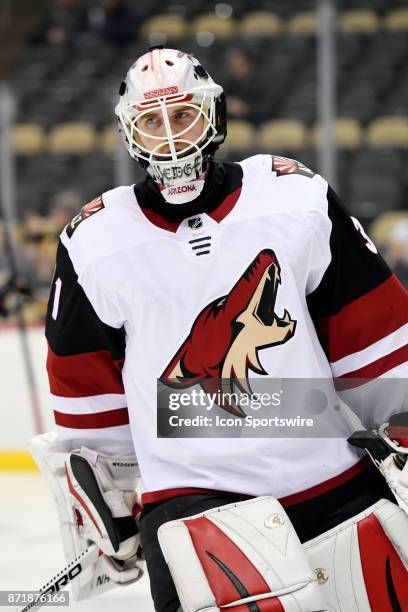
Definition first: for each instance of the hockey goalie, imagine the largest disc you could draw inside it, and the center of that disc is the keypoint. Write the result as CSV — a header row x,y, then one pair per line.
x,y
209,270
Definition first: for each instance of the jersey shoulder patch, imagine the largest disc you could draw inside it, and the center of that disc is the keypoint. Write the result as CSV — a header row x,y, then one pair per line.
x,y
284,165
86,211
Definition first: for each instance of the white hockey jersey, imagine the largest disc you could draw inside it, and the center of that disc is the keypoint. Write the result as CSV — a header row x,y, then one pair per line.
x,y
277,280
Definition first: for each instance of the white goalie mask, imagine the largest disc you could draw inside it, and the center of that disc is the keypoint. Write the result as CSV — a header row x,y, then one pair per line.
x,y
172,117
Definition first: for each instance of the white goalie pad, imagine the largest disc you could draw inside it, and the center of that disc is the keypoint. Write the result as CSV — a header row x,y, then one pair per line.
x,y
240,554
362,564
104,574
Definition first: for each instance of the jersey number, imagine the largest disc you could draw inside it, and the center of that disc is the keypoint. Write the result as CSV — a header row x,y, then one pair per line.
x,y
369,243
58,285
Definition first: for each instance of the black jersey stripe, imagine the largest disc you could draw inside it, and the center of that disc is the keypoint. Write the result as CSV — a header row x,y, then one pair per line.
x,y
77,328
354,269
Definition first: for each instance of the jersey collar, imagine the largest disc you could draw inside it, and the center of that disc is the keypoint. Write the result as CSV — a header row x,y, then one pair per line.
x,y
217,203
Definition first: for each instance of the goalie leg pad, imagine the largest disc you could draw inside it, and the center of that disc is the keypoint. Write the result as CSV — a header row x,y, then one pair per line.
x,y
241,553
362,564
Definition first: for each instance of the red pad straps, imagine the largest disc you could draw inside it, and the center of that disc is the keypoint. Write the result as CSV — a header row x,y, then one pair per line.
x,y
385,576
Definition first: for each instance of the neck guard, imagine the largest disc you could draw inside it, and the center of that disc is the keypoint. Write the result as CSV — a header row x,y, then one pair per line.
x,y
149,196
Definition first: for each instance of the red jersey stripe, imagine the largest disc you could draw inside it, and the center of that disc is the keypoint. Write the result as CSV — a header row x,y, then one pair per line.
x,y
153,497
376,368
327,485
84,375
96,420
364,321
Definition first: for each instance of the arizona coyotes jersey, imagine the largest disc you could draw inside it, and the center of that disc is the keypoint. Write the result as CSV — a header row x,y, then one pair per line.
x,y
277,280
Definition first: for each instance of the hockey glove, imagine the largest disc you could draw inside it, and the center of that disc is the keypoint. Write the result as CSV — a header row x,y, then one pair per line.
x,y
388,448
102,490
96,502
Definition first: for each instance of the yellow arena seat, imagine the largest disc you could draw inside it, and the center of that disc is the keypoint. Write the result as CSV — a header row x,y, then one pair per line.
x,y
260,24
288,134
302,24
28,139
348,134
209,22
72,138
359,21
388,132
396,20
172,26
108,139
240,135
381,228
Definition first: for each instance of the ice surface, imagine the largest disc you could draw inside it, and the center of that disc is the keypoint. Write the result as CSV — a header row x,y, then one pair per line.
x,y
31,551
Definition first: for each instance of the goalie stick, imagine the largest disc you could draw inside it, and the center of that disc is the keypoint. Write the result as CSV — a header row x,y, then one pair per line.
x,y
63,578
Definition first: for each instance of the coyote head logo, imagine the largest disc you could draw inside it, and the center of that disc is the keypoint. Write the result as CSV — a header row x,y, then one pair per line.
x,y
227,335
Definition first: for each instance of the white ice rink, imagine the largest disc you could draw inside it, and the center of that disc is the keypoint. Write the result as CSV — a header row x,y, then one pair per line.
x,y
31,552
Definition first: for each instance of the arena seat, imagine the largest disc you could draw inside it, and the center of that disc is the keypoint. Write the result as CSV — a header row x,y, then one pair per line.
x,y
240,136
28,139
302,24
285,133
348,134
388,132
260,24
359,22
396,20
381,227
80,83
172,26
72,138
108,139
209,22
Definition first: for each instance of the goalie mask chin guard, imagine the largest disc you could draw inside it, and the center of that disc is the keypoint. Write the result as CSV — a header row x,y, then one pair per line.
x,y
161,82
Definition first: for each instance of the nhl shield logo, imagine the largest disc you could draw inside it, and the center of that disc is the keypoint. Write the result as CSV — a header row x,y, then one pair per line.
x,y
195,223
